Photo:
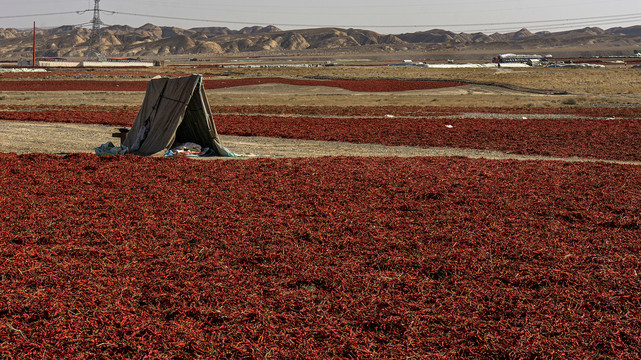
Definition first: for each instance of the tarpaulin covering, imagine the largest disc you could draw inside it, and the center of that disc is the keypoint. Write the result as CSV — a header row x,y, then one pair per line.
x,y
174,111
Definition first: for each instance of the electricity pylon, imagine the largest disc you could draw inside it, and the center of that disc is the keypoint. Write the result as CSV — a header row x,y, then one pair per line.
x,y
94,50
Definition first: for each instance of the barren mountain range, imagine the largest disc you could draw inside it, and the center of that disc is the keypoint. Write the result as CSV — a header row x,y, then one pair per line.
x,y
151,41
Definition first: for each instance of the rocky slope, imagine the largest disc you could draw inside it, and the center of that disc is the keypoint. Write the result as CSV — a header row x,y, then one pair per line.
x,y
150,41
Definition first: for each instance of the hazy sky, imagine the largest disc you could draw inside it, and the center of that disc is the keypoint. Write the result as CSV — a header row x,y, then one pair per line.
x,y
383,16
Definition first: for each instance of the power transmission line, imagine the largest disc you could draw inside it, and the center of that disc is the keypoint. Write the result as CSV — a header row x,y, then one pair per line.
x,y
601,19
560,25
37,15
494,26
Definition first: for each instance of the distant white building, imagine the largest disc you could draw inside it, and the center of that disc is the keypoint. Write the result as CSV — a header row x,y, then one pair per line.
x,y
62,62
520,58
49,62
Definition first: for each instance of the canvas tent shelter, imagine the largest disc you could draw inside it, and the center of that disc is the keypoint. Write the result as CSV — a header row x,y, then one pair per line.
x,y
174,111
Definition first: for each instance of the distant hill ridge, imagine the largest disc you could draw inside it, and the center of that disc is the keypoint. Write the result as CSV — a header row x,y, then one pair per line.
x,y
152,41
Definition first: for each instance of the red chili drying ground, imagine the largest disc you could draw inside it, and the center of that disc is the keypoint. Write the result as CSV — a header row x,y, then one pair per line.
x,y
615,139
115,118
81,73
365,111
606,139
318,258
73,85
599,112
353,85
111,85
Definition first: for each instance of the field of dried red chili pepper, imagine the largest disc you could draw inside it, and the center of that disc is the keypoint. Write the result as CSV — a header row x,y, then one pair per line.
x,y
119,85
329,257
318,258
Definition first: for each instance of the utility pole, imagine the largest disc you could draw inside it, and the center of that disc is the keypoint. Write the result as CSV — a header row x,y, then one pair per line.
x,y
33,63
94,50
